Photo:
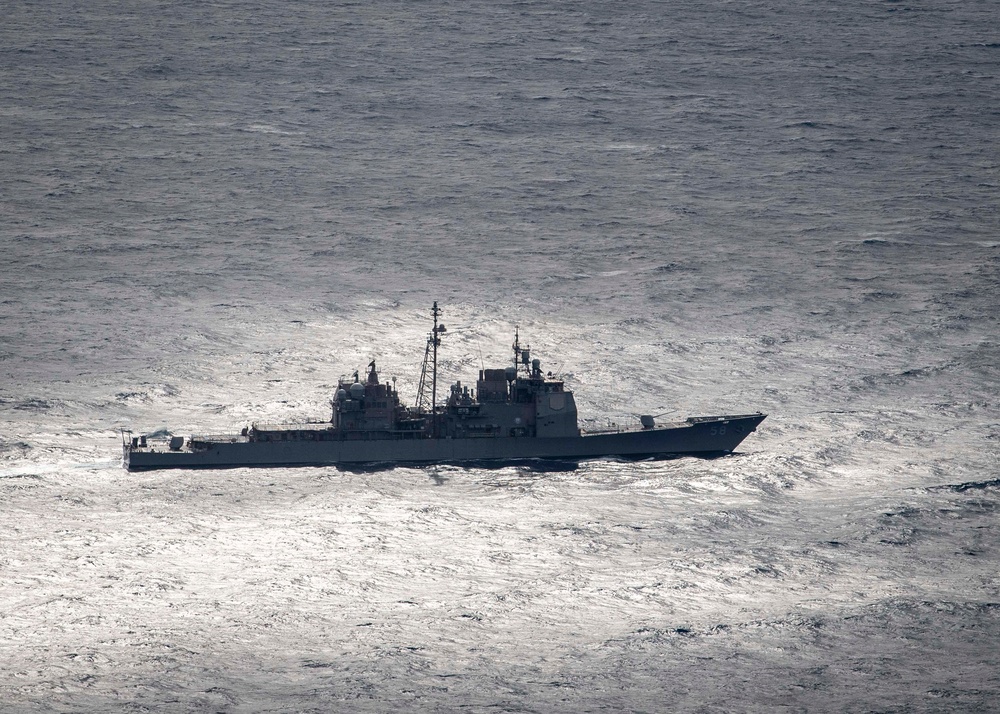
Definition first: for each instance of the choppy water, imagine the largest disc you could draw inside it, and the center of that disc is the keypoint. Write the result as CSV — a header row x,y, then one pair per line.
x,y
211,211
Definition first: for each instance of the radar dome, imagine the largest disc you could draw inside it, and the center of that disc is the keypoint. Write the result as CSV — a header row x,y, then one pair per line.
x,y
357,390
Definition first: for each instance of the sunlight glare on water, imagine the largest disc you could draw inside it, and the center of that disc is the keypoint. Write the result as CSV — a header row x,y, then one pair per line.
x,y
214,212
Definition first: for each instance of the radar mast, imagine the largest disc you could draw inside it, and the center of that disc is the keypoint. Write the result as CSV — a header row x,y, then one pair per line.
x,y
430,359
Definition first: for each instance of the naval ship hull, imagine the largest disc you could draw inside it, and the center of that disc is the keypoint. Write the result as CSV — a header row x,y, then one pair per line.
x,y
698,436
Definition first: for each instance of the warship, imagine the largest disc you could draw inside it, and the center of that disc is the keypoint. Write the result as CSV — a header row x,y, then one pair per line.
x,y
514,413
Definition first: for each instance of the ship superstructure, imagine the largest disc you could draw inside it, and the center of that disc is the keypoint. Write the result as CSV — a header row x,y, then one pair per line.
x,y
515,412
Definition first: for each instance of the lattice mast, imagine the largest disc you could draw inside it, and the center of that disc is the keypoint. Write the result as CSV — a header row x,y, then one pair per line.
x,y
422,402
430,359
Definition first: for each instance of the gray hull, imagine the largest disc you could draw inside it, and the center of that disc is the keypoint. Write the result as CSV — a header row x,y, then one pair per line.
x,y
701,436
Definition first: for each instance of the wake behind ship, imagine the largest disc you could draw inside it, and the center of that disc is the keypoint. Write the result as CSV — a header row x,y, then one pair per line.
x,y
514,413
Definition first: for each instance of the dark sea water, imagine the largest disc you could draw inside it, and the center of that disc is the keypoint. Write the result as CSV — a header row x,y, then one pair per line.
x,y
210,211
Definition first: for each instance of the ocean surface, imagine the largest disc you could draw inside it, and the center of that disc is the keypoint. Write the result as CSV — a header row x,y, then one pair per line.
x,y
210,211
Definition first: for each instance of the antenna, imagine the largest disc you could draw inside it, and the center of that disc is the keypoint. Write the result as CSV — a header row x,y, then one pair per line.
x,y
436,339
434,373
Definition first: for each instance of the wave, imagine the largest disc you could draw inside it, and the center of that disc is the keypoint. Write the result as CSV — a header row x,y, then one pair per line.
x,y
991,484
